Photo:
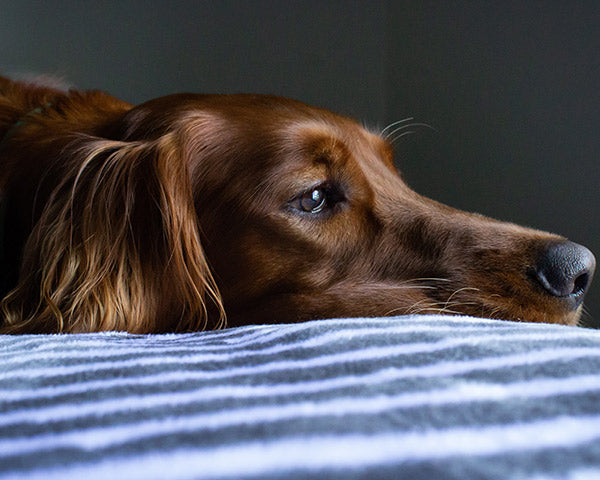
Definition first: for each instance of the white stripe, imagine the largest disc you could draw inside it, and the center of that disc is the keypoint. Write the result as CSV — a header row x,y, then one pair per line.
x,y
107,349
101,437
212,352
464,392
353,356
578,474
243,334
204,340
317,453
123,342
212,392
427,371
200,341
101,339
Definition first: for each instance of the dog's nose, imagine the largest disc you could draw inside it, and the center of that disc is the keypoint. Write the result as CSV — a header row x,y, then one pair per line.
x,y
565,269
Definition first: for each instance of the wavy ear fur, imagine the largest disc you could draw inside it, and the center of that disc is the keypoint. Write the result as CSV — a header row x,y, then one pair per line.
x,y
117,247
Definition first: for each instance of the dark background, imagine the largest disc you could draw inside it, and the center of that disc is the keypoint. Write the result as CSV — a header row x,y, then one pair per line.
x,y
512,89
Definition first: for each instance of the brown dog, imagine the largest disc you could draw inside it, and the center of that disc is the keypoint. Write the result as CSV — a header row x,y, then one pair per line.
x,y
169,215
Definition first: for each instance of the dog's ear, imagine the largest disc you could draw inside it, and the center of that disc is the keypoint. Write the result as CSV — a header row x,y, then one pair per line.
x,y
117,247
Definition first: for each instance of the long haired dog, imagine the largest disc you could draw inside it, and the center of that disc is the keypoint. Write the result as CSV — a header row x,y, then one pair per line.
x,y
189,209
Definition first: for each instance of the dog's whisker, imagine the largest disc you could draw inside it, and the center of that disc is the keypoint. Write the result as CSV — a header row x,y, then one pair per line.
x,y
426,279
399,129
464,304
427,303
463,289
425,306
428,311
585,312
586,320
444,311
404,127
432,309
418,287
411,310
398,137
394,311
393,124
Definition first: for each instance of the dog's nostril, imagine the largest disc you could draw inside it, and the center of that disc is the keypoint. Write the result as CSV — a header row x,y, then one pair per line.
x,y
581,283
565,269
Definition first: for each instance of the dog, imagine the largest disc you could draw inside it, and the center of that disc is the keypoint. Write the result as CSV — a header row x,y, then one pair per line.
x,y
190,211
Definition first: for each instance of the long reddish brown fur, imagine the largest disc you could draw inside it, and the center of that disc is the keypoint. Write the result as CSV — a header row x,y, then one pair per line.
x,y
111,232
183,211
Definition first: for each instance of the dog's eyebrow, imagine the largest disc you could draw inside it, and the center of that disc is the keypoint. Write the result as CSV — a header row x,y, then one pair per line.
x,y
318,141
323,144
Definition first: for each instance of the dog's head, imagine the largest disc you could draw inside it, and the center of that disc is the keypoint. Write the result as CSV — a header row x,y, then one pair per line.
x,y
304,215
277,211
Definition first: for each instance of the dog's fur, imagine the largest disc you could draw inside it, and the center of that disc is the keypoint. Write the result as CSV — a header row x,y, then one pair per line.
x,y
189,209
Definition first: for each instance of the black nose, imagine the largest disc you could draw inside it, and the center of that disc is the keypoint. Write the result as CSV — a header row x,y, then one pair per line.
x,y
565,269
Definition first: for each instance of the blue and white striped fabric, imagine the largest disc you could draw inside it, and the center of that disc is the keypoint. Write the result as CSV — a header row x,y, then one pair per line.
x,y
421,397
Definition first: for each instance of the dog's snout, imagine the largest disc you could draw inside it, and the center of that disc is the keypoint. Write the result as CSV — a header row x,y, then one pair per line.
x,y
565,269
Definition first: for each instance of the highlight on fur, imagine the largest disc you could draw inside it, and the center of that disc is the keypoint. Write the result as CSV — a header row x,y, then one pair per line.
x,y
187,210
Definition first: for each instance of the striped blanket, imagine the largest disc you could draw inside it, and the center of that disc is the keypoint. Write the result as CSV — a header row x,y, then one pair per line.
x,y
421,397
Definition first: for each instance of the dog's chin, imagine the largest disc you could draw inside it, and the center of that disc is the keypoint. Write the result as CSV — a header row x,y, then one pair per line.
x,y
572,318
524,314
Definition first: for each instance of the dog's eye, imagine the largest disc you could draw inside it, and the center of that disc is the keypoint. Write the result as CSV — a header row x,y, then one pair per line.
x,y
316,200
313,201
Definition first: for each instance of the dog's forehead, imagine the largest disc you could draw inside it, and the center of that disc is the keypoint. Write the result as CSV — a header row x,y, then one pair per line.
x,y
322,136
292,121
270,137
